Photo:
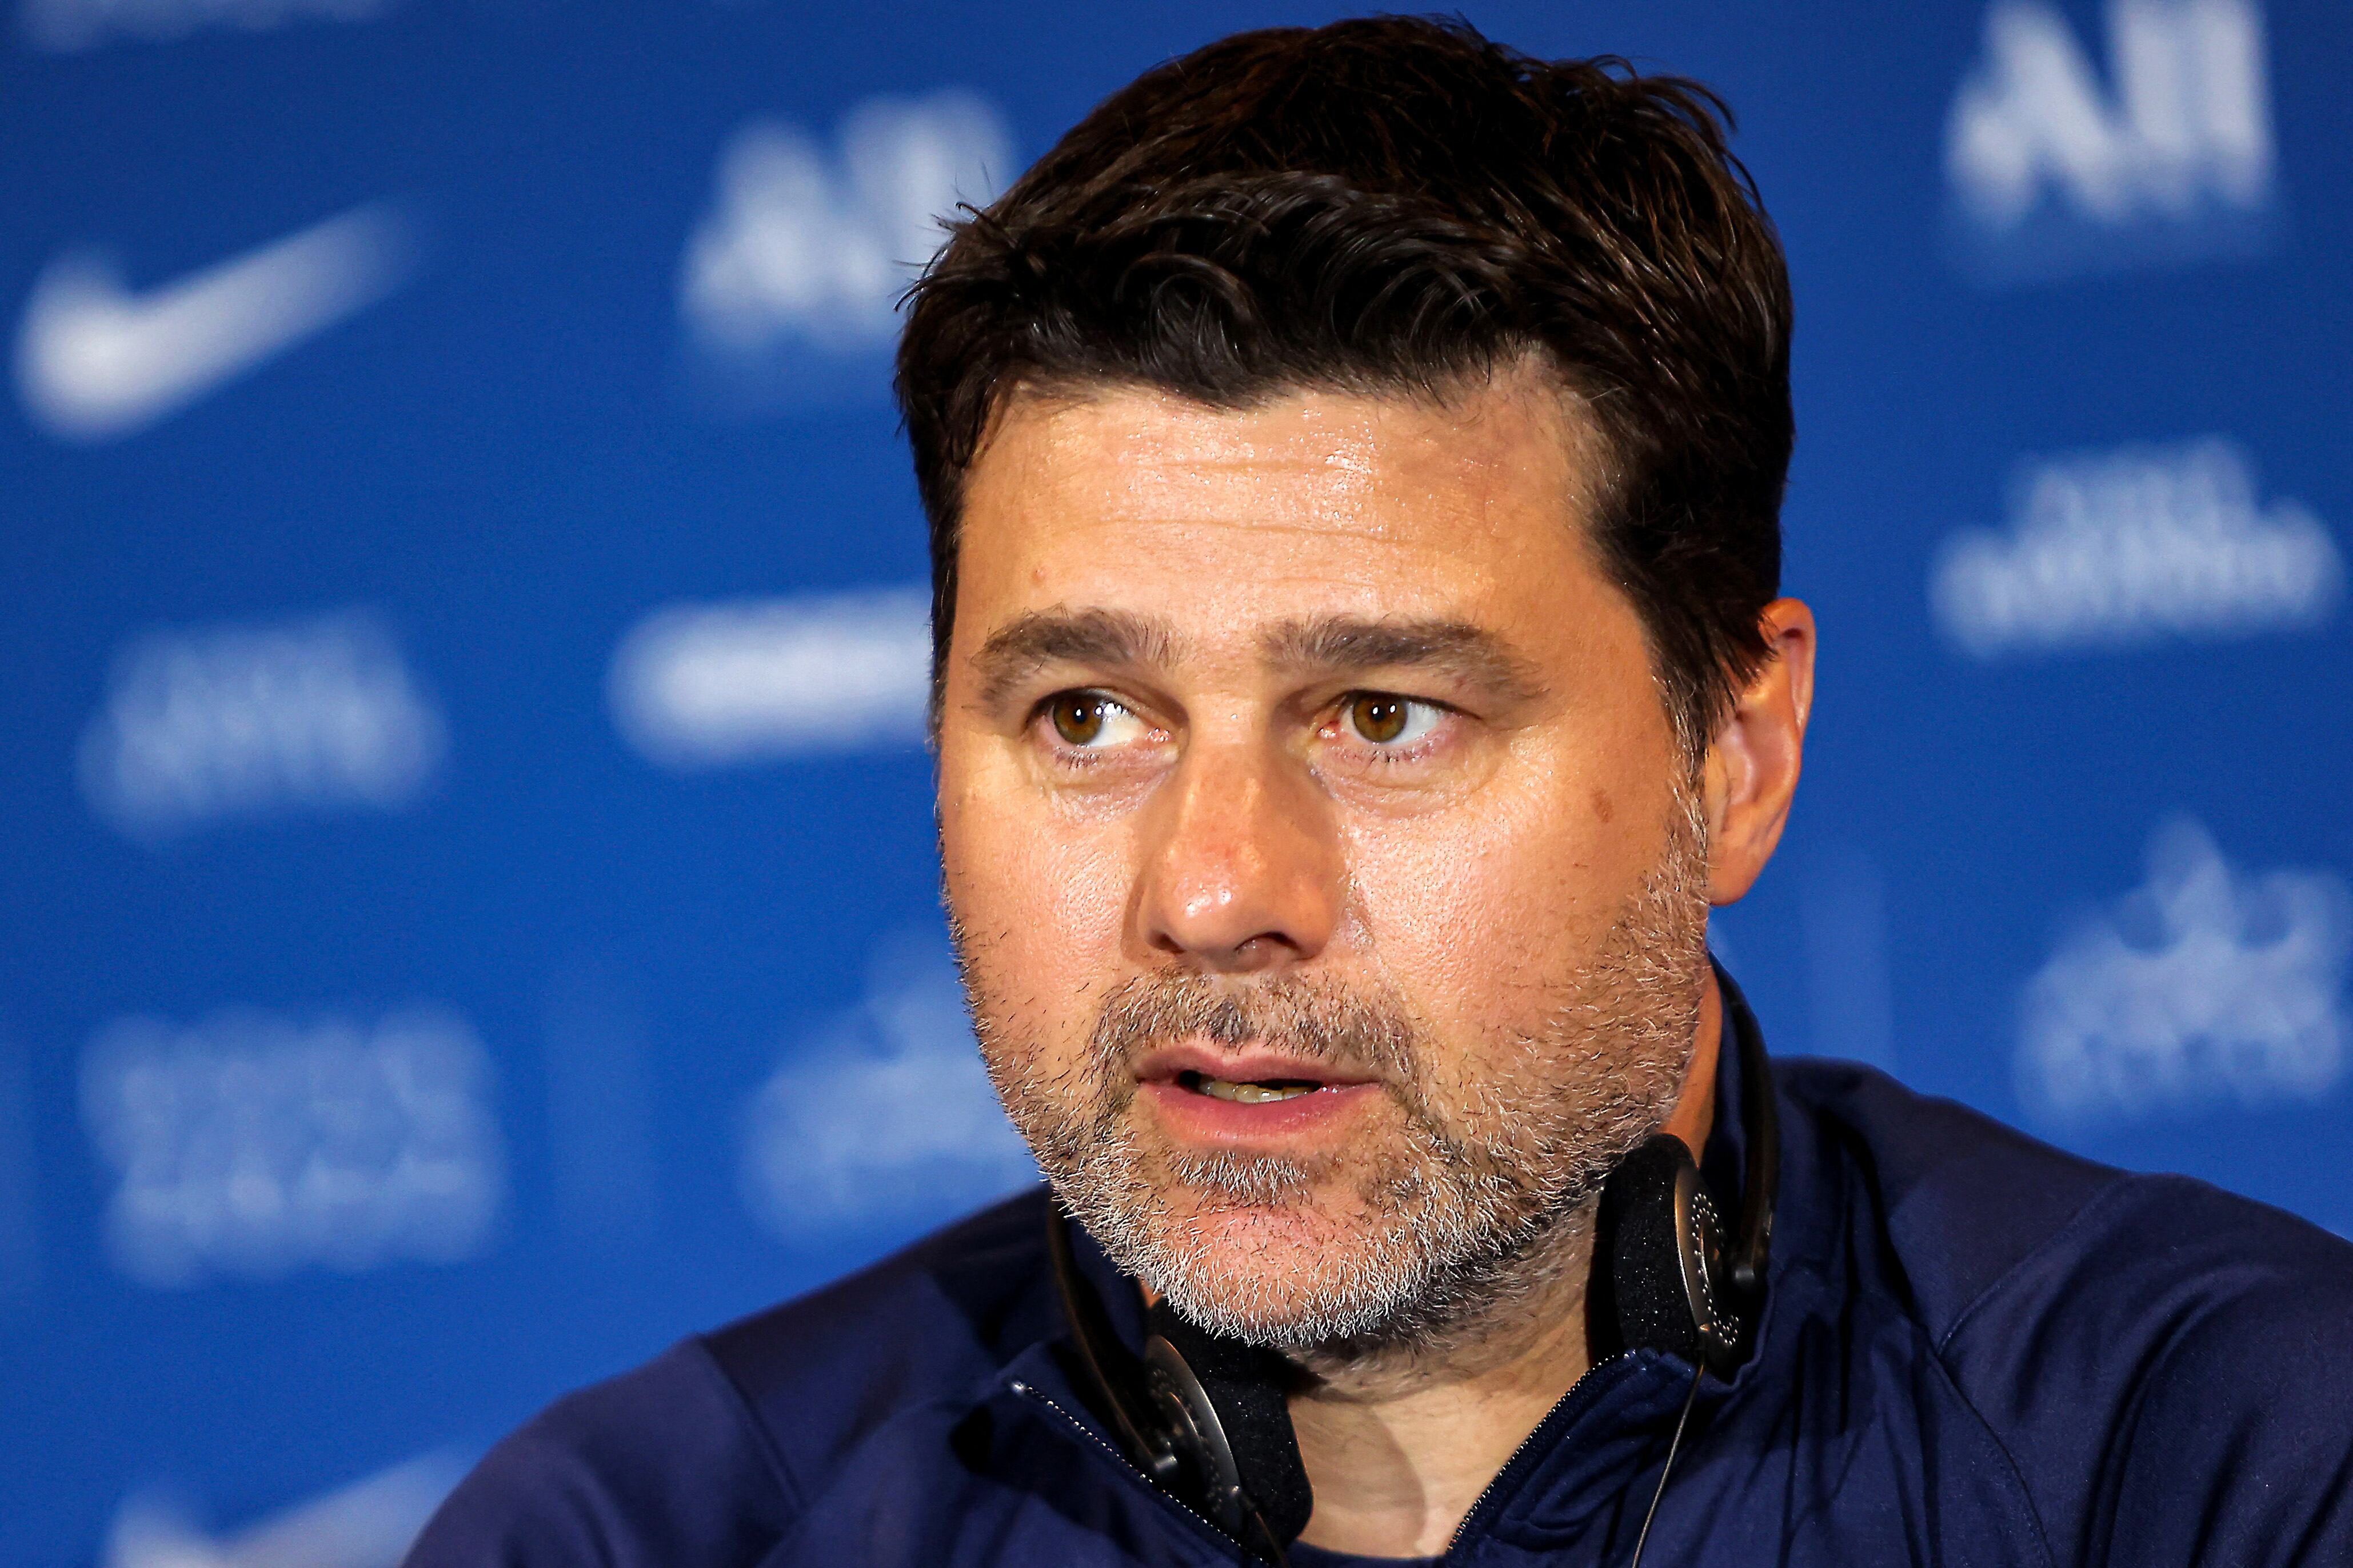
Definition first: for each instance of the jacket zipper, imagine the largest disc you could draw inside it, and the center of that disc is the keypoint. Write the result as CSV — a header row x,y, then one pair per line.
x,y
1127,1466
1479,1503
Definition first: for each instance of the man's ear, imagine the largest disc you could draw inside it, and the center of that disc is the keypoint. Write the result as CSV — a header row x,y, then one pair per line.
x,y
1753,758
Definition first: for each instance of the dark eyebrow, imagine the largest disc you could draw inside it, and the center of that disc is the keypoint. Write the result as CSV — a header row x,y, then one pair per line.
x,y
1027,642
1469,653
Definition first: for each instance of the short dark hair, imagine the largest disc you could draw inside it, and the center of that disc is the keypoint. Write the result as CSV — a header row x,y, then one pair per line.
x,y
1396,205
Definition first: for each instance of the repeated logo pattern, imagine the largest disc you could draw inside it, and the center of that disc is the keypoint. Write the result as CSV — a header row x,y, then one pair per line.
x,y
368,1523
697,686
2053,171
882,1117
268,1145
790,287
96,361
253,1144
2203,985
2118,549
219,722
69,26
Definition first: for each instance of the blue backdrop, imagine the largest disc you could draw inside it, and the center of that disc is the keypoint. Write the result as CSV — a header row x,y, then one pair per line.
x,y
468,880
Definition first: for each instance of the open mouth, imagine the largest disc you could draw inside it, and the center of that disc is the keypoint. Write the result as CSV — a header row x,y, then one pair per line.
x,y
1246,1091
1222,1095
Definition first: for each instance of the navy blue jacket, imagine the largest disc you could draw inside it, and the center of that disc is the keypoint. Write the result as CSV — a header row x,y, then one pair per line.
x,y
1976,1350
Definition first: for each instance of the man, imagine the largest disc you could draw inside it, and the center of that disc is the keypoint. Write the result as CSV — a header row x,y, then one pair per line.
x,y
1354,460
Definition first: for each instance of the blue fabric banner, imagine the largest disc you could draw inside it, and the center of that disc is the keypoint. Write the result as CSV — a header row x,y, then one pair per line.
x,y
469,900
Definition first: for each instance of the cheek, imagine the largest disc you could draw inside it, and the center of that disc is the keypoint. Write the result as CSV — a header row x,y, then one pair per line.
x,y
1040,904
1479,915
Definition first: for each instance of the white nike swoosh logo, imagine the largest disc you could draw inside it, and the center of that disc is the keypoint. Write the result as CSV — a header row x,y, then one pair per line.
x,y
95,361
367,1524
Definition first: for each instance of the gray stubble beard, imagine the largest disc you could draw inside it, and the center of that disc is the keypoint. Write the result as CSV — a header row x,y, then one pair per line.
x,y
1475,1216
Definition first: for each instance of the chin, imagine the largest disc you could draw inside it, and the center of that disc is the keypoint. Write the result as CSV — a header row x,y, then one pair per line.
x,y
1288,1275
1288,1235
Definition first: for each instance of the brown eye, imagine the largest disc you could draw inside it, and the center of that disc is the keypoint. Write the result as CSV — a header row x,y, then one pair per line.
x,y
1077,718
1096,724
1379,719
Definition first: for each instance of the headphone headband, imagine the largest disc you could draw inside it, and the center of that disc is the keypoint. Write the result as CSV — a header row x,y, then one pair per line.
x,y
1760,1123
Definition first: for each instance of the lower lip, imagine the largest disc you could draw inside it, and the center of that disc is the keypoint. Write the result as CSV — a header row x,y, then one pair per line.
x,y
1196,1118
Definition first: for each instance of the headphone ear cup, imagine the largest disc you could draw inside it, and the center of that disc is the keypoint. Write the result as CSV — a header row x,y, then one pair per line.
x,y
1659,1233
1245,1387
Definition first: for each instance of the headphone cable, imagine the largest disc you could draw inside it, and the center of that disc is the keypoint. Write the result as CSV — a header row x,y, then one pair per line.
x,y
1674,1446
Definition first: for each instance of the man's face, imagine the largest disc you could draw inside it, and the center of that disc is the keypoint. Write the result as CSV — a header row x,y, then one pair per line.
x,y
1330,909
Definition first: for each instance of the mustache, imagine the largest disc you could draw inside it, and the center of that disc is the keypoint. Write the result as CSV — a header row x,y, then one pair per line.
x,y
1317,1020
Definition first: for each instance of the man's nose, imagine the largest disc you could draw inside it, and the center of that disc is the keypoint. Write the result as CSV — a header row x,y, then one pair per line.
x,y
1241,869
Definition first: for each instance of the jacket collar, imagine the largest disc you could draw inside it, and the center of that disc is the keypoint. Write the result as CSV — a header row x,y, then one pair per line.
x,y
1592,1458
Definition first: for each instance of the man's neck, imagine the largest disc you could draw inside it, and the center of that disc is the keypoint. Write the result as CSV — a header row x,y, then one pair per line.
x,y
1399,1450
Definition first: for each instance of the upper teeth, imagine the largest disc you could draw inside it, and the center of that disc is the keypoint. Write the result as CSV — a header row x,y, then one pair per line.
x,y
1253,1093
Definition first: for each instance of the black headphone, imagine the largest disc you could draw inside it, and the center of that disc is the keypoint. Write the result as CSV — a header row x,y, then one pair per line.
x,y
1208,1418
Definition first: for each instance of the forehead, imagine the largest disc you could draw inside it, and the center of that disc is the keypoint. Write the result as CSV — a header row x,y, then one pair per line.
x,y
1311,501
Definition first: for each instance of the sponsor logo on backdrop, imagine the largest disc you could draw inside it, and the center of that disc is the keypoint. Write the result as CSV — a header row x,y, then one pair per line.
x,y
66,26
2051,172
790,286
251,1145
704,686
2204,986
367,1524
96,361
217,722
2119,549
881,1117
